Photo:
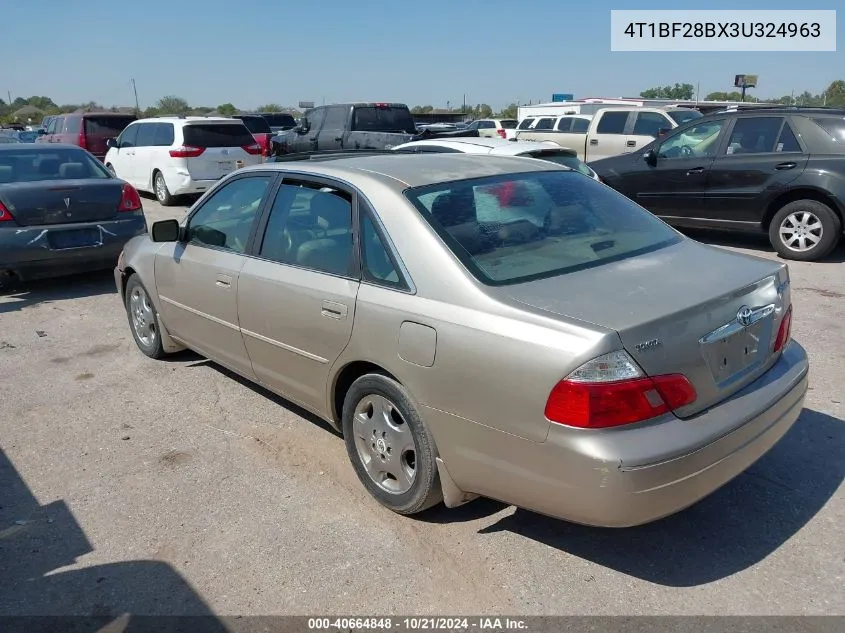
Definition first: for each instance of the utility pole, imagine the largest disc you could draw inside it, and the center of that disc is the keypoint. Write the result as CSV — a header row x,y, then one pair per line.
x,y
9,93
697,91
135,90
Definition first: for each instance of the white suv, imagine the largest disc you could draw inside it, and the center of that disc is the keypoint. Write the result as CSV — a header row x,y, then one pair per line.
x,y
171,156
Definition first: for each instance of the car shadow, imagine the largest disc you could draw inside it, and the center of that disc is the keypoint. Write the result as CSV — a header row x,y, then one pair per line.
x,y
23,295
37,594
732,529
751,241
264,392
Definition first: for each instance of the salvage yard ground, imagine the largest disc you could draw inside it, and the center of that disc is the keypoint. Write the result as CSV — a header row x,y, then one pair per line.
x,y
176,487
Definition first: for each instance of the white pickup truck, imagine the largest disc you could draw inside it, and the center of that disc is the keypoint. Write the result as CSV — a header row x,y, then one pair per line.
x,y
609,132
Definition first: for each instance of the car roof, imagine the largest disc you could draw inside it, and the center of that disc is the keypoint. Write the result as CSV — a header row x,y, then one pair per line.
x,y
400,170
497,146
191,119
44,147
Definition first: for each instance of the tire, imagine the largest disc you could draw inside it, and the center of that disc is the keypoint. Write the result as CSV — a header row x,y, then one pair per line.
x,y
379,420
111,169
143,321
162,193
805,230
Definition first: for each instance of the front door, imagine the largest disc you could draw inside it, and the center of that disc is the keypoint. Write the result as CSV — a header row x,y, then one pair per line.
x,y
123,157
760,159
296,297
197,279
674,186
334,128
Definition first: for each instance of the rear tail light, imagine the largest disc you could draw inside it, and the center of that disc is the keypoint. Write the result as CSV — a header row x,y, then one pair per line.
x,y
186,151
502,132
612,390
5,216
81,140
253,150
784,331
129,199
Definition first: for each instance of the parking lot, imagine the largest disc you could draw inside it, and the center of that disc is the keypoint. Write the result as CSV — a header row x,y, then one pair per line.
x,y
177,487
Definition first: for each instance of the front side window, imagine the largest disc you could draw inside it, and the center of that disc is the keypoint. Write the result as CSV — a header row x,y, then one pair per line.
x,y
336,118
695,141
754,135
518,227
129,136
225,220
146,135
310,225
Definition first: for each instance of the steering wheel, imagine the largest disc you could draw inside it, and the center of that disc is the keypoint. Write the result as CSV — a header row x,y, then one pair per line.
x,y
686,151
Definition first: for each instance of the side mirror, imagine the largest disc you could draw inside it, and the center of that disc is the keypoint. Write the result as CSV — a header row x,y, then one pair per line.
x,y
663,131
303,127
112,142
650,157
165,231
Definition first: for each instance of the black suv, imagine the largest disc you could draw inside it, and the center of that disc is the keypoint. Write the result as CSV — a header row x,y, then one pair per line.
x,y
775,170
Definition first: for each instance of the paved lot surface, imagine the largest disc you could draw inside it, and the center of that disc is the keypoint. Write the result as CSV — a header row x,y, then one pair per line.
x,y
175,487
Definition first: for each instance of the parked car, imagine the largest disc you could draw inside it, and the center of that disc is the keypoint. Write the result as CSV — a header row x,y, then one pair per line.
x,y
7,139
501,128
88,130
61,212
46,122
23,137
500,147
466,348
260,130
778,171
609,132
174,156
279,121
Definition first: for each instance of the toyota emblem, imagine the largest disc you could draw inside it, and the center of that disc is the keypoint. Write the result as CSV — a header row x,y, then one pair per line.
x,y
744,315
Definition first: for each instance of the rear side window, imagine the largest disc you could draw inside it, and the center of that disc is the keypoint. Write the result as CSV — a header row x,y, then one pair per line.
x,y
564,124
163,136
526,123
383,119
682,116
833,126
545,124
107,126
74,125
612,123
486,125
519,227
787,141
754,135
580,126
256,124
650,124
508,124
217,135
146,134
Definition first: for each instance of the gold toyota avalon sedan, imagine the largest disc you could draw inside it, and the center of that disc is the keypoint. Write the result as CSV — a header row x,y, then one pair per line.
x,y
481,325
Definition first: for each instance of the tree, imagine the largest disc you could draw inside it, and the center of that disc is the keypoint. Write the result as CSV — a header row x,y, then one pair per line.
x,y
724,96
173,105
150,112
270,107
679,92
422,109
509,112
835,94
227,109
42,103
201,110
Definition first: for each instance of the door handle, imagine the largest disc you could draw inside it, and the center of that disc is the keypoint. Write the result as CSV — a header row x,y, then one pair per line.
x,y
224,281
782,166
334,310
695,170
594,141
631,143
338,138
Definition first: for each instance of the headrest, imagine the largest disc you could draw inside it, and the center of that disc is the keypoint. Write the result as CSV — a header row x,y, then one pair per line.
x,y
7,173
72,170
330,210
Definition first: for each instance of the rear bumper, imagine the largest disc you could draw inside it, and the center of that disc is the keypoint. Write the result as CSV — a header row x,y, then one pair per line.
x,y
27,251
626,476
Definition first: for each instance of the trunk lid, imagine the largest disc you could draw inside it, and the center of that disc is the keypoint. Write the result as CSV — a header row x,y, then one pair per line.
x,y
223,145
62,201
677,310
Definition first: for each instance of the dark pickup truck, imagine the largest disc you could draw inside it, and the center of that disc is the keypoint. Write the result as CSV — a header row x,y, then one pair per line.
x,y
349,126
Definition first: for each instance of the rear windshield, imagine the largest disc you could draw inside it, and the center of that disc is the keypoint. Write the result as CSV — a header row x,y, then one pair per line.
x,y
278,119
256,124
383,119
835,126
508,124
108,126
519,227
217,135
49,164
573,162
682,116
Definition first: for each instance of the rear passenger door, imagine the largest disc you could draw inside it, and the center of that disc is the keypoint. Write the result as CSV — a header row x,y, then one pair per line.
x,y
760,159
334,128
607,136
296,295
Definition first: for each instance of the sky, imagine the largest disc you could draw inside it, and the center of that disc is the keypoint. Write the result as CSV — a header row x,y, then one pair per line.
x,y
212,52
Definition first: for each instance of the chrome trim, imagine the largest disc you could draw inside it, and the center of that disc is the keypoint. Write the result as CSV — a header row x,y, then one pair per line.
x,y
198,313
283,346
754,315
